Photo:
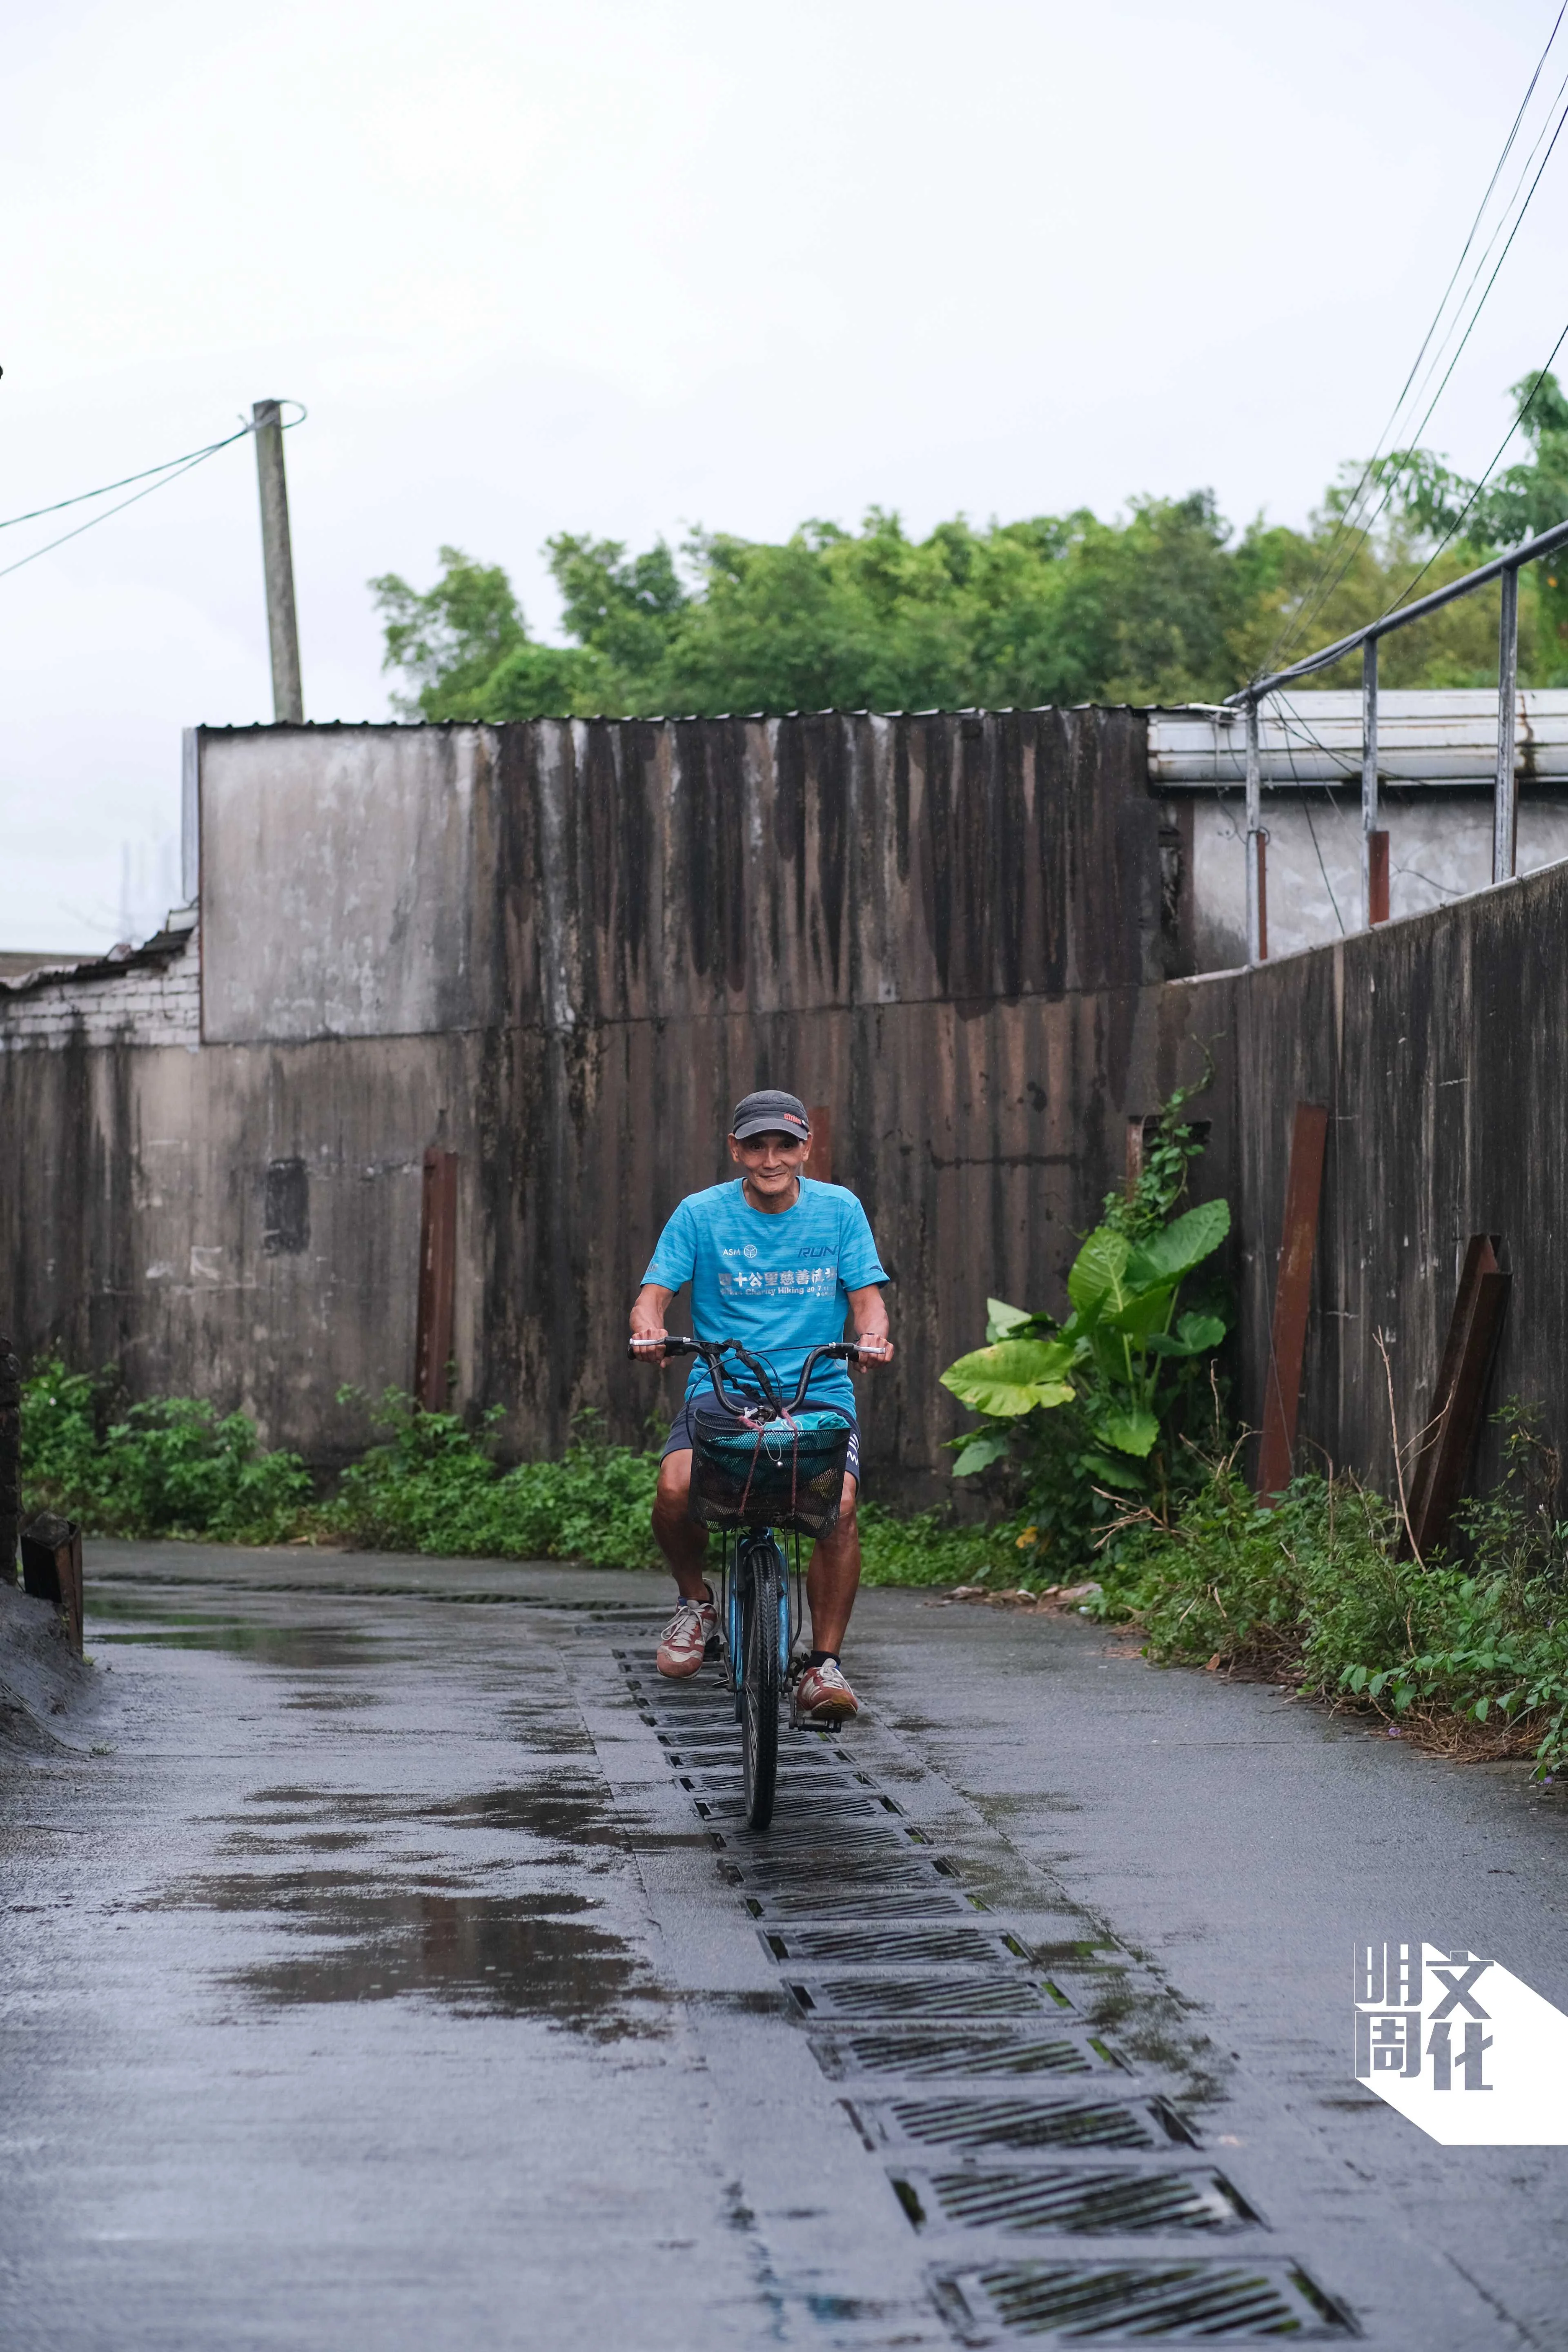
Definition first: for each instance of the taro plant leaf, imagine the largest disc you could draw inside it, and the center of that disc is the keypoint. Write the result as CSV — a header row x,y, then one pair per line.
x,y
1011,1378
1194,1335
1165,1256
1002,1320
1145,1312
1133,1431
1109,1472
979,1452
1098,1283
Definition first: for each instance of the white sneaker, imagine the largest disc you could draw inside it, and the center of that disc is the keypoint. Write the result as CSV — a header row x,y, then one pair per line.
x,y
822,1695
684,1641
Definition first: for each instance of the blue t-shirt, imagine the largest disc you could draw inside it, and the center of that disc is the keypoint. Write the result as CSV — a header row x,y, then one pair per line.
x,y
777,1284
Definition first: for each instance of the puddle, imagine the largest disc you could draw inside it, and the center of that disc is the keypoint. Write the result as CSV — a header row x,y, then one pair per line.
x,y
493,1955
440,1925
553,1811
295,1646
562,1816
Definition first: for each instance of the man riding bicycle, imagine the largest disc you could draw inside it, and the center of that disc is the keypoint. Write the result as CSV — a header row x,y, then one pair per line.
x,y
774,1260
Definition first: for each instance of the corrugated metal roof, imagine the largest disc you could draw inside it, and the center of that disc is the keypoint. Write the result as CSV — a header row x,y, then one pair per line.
x,y
1424,737
40,972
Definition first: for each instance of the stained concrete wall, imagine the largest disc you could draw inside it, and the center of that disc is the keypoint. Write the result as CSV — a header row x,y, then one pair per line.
x,y
347,882
1439,850
563,951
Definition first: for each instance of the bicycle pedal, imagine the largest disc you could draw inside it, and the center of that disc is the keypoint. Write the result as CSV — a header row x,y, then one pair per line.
x,y
712,1649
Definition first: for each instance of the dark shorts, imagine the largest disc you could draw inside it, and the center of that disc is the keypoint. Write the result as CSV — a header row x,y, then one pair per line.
x,y
679,1440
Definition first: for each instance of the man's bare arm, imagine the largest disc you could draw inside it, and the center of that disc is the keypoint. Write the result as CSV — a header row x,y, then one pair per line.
x,y
868,1313
648,1312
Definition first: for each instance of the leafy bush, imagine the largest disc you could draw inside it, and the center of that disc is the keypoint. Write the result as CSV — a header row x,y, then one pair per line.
x,y
927,1549
1092,1410
1320,1592
433,1486
174,1467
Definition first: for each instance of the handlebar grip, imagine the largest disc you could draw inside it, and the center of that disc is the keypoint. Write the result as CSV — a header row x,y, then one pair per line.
x,y
641,1350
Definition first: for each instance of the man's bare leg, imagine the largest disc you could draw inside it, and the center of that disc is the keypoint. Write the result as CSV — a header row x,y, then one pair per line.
x,y
683,1541
834,1577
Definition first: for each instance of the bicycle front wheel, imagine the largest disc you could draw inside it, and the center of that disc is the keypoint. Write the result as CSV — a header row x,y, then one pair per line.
x,y
764,1606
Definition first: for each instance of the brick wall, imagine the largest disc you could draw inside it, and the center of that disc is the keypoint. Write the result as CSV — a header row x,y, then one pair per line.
x,y
152,998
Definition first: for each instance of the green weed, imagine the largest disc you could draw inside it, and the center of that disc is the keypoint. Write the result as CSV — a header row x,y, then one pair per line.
x,y
1468,1652
174,1467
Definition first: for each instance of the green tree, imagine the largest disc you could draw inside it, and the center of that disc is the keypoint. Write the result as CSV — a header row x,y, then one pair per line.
x,y
1167,604
465,648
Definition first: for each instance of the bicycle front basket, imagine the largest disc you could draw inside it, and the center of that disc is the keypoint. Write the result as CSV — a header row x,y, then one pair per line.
x,y
783,1474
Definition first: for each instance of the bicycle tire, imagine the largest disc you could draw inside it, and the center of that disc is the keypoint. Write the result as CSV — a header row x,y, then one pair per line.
x,y
763,1596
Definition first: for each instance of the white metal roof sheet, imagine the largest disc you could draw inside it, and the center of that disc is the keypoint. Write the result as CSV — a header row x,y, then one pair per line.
x,y
1423,737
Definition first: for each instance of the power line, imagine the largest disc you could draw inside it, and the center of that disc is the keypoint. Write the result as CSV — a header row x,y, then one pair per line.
x,y
1388,491
1316,593
1411,585
169,471
50,544
82,496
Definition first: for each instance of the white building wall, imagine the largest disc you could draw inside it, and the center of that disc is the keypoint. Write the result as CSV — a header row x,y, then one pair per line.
x,y
1439,849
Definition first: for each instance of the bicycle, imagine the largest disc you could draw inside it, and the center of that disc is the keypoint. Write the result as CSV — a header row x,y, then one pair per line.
x,y
759,1465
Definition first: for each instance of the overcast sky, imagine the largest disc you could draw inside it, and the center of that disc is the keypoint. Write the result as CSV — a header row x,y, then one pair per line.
x,y
629,267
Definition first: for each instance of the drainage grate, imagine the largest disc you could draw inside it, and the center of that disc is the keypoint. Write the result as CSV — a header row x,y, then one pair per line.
x,y
831,1870
705,1778
870,1902
922,1997
902,1945
1083,2202
819,1823
815,1812
972,2055
1211,2302
819,1866
992,2123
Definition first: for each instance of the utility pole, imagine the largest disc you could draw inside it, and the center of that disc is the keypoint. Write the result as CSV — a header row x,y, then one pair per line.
x,y
283,629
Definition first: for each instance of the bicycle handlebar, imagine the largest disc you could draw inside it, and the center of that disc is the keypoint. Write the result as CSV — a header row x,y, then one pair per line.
x,y
847,1350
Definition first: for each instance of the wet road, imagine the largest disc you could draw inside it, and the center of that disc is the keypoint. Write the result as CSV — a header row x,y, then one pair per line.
x,y
398,1975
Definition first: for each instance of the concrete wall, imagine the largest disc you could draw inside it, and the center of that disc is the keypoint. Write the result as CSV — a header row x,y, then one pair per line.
x,y
347,882
1436,761
563,951
1439,849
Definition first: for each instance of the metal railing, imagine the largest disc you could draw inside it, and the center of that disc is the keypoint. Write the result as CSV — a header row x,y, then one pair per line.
x,y
1374,839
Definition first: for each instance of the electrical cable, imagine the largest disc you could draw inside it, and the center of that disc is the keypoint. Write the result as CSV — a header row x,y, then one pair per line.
x,y
1371,524
1411,585
1316,594
82,496
1387,432
169,471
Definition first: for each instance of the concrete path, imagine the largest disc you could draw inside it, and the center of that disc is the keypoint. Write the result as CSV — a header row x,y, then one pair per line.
x,y
386,1967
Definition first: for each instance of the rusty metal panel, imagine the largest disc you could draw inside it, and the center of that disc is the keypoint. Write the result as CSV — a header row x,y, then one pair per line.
x,y
1292,1297
1377,877
437,1281
51,1568
1458,1399
10,1458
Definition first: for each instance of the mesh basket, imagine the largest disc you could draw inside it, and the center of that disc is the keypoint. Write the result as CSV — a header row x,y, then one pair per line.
x,y
784,1475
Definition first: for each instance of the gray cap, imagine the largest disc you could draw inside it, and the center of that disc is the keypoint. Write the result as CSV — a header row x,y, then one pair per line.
x,y
770,1113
